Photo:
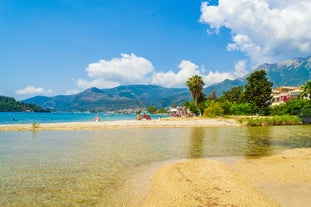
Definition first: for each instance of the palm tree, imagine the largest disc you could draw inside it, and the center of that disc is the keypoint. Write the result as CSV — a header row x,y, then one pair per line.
x,y
195,85
306,89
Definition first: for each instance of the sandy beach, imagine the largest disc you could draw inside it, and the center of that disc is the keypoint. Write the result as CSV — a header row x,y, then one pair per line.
x,y
279,180
155,123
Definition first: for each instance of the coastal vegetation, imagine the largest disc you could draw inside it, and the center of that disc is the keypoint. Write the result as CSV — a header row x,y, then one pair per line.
x,y
258,92
195,85
306,88
255,100
35,126
271,120
8,104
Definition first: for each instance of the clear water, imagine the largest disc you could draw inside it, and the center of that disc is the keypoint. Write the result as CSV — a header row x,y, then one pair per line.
x,y
30,117
89,168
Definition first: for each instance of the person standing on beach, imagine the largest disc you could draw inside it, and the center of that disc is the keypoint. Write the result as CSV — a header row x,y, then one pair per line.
x,y
97,119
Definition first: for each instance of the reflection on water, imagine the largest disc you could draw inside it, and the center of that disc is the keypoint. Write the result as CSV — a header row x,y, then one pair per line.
x,y
88,168
259,144
196,145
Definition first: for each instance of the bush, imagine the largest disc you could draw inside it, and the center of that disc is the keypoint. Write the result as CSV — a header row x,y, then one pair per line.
x,y
226,105
213,110
274,120
278,110
292,107
240,109
193,109
306,112
35,126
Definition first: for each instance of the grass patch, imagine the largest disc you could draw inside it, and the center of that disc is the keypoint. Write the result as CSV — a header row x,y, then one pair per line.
x,y
272,121
35,126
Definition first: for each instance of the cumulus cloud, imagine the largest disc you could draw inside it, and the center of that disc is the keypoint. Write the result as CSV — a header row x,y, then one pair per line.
x,y
240,69
130,69
266,30
216,77
31,90
71,92
171,79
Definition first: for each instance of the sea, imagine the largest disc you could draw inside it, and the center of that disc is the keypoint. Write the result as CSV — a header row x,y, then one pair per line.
x,y
61,117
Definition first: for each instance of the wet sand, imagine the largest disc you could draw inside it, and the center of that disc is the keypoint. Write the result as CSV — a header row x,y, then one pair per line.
x,y
155,123
278,180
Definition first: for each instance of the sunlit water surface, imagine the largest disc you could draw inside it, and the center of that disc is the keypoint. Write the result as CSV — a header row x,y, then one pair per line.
x,y
89,168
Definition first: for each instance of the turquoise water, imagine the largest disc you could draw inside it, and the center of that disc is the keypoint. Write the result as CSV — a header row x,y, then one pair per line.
x,y
30,117
89,168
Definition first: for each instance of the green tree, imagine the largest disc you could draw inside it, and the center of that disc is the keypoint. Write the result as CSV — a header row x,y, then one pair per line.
x,y
235,95
152,110
195,85
213,110
292,107
240,109
258,92
162,111
8,104
139,112
306,89
225,105
190,105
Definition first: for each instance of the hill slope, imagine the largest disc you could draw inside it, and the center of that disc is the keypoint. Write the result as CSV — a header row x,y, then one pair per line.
x,y
294,72
8,104
118,98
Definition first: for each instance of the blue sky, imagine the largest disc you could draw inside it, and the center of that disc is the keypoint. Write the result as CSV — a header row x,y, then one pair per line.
x,y
52,47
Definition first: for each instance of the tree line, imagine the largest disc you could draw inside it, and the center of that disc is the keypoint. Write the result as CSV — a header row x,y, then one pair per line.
x,y
8,104
253,99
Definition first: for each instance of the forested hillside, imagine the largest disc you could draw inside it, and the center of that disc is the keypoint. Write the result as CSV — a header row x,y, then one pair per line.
x,y
8,104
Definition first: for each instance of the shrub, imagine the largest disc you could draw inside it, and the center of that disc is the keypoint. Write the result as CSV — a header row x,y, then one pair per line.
x,y
274,120
213,110
226,105
240,109
35,126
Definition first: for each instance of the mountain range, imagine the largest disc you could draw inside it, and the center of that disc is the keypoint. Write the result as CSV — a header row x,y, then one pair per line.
x,y
113,99
293,72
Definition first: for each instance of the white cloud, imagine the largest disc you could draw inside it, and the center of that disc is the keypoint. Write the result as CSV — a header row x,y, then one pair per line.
x,y
171,79
71,92
130,69
216,77
31,90
240,69
188,69
99,83
266,30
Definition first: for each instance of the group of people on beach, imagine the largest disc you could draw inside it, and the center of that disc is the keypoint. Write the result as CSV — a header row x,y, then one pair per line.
x,y
139,117
143,117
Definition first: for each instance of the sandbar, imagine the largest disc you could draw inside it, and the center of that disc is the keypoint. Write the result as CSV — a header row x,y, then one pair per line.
x,y
278,180
155,123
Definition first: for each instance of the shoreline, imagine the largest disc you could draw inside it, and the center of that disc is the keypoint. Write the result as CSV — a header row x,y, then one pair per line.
x,y
123,124
279,180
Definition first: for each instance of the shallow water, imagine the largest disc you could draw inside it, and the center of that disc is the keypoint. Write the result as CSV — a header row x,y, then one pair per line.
x,y
89,168
60,117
